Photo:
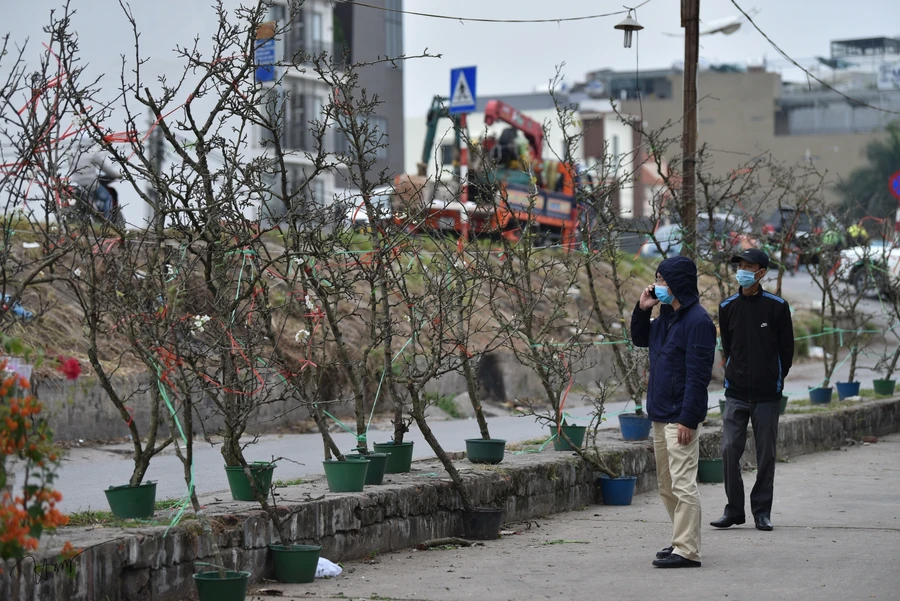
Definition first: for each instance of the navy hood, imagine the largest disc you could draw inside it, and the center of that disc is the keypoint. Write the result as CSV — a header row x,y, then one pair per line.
x,y
680,273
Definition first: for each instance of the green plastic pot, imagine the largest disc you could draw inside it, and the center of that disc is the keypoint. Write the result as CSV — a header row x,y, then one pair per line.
x,y
377,465
210,587
480,450
575,434
722,404
399,456
884,387
295,563
783,407
239,484
346,476
132,501
711,471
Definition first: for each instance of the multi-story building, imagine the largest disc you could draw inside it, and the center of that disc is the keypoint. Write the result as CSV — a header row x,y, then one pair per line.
x,y
350,35
751,110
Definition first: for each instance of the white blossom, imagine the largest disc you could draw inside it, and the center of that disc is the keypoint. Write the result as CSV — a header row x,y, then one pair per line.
x,y
309,303
170,270
77,272
200,322
408,320
301,335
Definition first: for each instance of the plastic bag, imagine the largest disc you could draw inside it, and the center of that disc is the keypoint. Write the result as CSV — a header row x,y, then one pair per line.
x,y
327,569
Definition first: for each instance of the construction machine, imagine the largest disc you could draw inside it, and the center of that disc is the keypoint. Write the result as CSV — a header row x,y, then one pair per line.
x,y
497,199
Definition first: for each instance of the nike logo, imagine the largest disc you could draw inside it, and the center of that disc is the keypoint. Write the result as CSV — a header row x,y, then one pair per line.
x,y
764,325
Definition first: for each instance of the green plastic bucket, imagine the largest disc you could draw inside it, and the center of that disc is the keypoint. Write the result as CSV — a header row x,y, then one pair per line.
x,y
783,407
480,450
377,465
575,434
884,387
295,563
231,588
399,456
346,476
711,471
132,501
240,487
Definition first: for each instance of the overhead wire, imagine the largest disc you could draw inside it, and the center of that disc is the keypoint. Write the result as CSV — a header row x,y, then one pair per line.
x,y
855,101
484,20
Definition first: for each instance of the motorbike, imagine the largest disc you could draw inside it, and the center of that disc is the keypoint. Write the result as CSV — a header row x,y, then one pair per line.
x,y
81,205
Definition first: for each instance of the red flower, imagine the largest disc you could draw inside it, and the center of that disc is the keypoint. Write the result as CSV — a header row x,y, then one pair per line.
x,y
70,368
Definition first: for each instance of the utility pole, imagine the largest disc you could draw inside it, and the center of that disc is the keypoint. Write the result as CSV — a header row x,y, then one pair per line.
x,y
690,21
157,156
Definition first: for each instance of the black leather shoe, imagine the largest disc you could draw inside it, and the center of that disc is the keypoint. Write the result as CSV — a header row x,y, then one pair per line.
x,y
763,523
664,553
727,522
675,561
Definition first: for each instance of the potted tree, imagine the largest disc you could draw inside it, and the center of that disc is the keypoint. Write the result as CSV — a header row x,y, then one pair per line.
x,y
710,468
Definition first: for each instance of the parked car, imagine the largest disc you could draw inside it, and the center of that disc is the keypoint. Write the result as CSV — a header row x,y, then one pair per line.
x,y
727,235
870,269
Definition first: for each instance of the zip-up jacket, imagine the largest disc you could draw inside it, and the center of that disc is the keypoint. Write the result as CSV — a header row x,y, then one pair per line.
x,y
757,344
682,349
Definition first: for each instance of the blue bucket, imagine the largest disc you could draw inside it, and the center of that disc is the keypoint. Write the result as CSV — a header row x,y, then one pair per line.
x,y
820,396
634,427
617,491
847,389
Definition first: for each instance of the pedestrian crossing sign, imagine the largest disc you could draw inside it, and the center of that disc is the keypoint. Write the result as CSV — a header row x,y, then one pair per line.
x,y
462,90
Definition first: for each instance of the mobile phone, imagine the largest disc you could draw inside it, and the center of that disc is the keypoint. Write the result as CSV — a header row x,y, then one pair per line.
x,y
653,292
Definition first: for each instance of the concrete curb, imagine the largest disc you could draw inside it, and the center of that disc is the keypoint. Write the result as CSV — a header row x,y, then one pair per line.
x,y
141,564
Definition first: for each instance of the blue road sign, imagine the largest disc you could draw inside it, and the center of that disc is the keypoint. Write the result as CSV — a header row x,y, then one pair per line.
x,y
462,90
265,60
895,185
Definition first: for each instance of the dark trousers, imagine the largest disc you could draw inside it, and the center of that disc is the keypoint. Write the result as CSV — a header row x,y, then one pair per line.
x,y
764,417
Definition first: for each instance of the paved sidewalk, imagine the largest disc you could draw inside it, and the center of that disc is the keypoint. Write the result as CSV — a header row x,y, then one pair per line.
x,y
836,537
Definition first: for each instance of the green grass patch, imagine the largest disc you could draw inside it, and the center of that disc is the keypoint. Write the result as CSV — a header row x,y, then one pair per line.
x,y
164,504
107,519
522,445
444,403
291,482
869,393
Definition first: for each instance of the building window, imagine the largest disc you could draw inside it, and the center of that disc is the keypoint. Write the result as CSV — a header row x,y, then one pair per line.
x,y
615,153
393,29
378,132
447,155
316,34
273,101
294,42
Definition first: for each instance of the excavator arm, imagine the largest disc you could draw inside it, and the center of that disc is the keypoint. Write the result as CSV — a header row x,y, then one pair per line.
x,y
500,111
437,112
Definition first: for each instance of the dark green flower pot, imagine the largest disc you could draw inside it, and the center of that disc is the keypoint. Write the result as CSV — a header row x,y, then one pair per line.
x,y
820,396
377,465
722,404
783,407
711,471
295,563
346,476
240,487
479,450
132,501
884,387
575,434
231,588
399,456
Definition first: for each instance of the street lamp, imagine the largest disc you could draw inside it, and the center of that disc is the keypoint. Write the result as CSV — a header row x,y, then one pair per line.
x,y
629,26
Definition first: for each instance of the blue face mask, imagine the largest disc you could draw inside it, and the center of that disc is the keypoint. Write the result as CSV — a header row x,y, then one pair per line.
x,y
746,278
663,294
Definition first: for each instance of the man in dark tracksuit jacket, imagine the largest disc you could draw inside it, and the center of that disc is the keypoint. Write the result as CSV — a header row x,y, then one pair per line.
x,y
758,348
682,342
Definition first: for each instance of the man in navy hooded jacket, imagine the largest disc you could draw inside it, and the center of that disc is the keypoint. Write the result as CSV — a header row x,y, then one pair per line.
x,y
682,342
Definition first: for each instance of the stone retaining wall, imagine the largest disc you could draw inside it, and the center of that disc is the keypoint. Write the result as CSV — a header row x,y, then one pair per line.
x,y
145,564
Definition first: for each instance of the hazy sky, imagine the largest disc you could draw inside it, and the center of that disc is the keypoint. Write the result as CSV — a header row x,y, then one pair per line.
x,y
519,58
511,58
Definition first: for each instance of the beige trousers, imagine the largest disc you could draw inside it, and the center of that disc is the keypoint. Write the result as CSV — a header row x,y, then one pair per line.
x,y
676,475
